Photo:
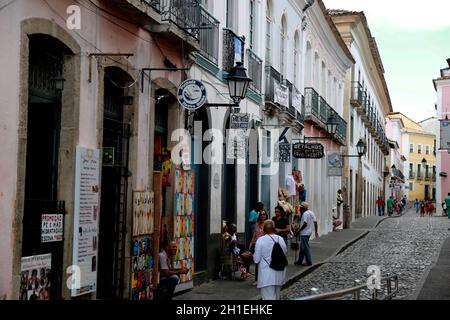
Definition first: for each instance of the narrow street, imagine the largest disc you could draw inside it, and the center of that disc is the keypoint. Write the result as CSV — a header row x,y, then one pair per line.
x,y
407,246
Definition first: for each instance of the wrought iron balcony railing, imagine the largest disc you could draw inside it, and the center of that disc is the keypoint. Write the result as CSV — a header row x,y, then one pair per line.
x,y
254,70
185,14
358,94
298,101
209,36
311,102
291,109
155,4
272,77
419,176
411,174
233,49
323,110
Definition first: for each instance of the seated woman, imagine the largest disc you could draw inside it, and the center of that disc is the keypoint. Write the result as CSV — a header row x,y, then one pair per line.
x,y
239,251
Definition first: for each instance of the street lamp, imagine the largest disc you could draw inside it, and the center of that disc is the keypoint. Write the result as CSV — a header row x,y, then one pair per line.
x,y
332,125
238,83
361,147
424,162
59,83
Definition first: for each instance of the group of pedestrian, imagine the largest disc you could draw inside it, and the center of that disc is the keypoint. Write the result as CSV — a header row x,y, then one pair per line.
x,y
426,208
267,235
396,206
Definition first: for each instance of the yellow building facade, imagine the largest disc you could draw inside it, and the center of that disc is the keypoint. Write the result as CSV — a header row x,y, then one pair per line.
x,y
419,148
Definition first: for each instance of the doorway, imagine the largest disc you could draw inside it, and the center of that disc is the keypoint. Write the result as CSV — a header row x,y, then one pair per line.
x,y
46,63
114,190
230,169
202,194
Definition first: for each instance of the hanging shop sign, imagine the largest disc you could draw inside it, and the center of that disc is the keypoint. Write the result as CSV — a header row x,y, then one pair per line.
x,y
281,94
284,152
335,165
52,228
85,224
445,134
308,151
237,142
239,121
35,277
192,94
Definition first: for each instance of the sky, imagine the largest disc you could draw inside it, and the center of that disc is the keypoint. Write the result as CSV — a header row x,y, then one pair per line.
x,y
414,41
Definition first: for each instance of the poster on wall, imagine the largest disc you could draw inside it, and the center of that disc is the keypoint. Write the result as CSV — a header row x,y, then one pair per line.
x,y
281,94
335,165
35,275
85,232
52,228
284,152
184,222
142,247
445,134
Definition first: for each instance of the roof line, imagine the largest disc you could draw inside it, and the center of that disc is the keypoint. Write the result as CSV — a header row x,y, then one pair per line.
x,y
336,32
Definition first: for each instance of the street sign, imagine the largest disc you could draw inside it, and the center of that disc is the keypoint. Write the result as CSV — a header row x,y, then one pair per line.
x,y
192,94
335,165
240,121
284,152
308,151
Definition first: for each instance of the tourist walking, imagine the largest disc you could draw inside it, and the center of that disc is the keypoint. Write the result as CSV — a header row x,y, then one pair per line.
x,y
447,203
417,205
270,280
258,233
282,225
390,206
306,230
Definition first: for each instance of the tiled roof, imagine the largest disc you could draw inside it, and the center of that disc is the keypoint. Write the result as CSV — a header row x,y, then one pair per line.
x,y
341,12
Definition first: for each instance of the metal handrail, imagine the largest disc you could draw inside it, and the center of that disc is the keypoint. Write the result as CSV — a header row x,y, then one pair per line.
x,y
356,291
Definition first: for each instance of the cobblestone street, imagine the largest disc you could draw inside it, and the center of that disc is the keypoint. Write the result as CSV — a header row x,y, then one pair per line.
x,y
406,246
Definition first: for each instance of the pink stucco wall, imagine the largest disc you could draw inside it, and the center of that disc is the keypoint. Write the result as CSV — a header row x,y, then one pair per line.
x,y
444,156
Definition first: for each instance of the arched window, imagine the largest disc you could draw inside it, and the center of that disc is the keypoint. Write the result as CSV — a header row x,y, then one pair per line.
x,y
308,65
268,32
283,46
296,58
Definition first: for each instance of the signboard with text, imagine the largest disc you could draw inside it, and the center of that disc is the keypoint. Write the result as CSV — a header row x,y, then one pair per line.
x,y
239,121
308,151
445,135
52,227
284,152
335,165
85,224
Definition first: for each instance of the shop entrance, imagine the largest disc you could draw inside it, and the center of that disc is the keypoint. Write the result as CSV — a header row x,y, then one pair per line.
x,y
202,194
46,62
114,190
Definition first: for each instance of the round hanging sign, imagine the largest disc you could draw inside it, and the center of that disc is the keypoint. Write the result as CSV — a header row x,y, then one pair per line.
x,y
192,94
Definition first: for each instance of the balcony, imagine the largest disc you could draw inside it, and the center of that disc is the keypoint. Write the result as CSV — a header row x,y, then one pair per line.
x,y
233,49
317,110
273,84
209,37
433,177
298,101
142,12
411,175
358,95
427,176
419,176
254,70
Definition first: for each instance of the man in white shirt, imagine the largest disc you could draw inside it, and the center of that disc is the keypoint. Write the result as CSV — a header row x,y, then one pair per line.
x,y
307,222
270,281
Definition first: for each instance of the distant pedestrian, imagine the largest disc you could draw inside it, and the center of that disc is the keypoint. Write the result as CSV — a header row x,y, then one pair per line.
x,y
417,205
444,209
380,206
430,209
307,222
422,208
340,202
270,280
447,203
390,206
404,201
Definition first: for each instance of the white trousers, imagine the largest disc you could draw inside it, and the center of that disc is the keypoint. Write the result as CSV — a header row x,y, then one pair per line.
x,y
271,293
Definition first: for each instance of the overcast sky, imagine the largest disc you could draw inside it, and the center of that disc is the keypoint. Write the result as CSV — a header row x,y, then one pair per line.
x,y
414,41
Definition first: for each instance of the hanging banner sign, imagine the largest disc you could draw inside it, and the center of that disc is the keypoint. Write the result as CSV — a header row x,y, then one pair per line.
x,y
308,151
192,94
281,94
52,227
284,152
85,224
239,121
297,100
445,135
335,165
